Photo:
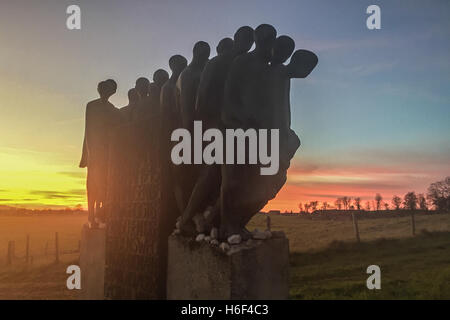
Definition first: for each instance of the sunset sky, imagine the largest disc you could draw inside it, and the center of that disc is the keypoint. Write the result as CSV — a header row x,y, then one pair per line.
x,y
372,117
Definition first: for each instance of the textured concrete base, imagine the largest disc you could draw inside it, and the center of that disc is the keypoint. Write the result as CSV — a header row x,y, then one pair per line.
x,y
255,270
92,263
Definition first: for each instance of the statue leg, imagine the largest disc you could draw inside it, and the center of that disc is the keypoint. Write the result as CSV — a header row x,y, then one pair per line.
x,y
207,187
91,197
91,209
177,188
230,201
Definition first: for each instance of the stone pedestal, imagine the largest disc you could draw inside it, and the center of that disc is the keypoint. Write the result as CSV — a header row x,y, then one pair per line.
x,y
92,263
258,269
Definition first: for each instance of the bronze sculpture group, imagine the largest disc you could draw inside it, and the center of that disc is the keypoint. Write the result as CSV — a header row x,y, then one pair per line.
x,y
237,88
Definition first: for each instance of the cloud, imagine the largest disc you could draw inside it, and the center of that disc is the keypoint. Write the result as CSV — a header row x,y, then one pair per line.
x,y
319,195
55,194
73,174
78,192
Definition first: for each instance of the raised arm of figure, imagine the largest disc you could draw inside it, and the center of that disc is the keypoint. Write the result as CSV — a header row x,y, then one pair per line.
x,y
302,64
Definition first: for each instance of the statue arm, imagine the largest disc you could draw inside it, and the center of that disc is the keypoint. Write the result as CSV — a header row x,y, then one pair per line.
x,y
302,64
84,156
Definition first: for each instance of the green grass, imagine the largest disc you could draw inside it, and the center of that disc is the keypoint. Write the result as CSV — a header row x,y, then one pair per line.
x,y
414,268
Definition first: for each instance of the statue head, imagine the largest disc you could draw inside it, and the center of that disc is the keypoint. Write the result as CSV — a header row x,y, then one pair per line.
x,y
265,36
133,96
243,39
201,52
177,64
302,63
142,86
282,49
106,89
160,77
225,46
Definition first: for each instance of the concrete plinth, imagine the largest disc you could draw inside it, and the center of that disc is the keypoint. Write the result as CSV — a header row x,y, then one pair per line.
x,y
258,269
92,263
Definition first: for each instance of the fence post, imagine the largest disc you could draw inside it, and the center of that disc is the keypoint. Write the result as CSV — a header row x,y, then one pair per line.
x,y
56,247
13,249
413,223
355,226
9,254
27,250
268,223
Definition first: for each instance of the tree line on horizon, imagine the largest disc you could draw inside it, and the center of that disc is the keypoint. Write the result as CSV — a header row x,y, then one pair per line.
x,y
437,198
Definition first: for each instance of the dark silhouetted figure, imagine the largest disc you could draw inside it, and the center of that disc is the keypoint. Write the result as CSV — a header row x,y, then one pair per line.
x,y
257,96
170,113
128,110
171,120
208,108
188,81
301,64
243,99
142,87
225,46
101,118
186,93
160,77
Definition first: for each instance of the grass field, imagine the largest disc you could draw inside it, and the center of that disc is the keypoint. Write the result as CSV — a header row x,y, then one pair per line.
x,y
43,279
326,263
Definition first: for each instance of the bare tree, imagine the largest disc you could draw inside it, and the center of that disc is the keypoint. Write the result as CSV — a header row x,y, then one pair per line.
x,y
346,202
324,205
367,205
313,205
410,200
357,202
422,202
396,202
439,194
300,207
386,206
338,203
306,208
378,199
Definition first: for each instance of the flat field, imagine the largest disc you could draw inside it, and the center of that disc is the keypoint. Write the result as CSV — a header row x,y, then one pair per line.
x,y
326,262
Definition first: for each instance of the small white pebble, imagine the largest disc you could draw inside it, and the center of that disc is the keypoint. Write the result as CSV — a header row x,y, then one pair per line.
x,y
259,235
234,239
207,239
224,246
200,237
214,242
214,233
207,212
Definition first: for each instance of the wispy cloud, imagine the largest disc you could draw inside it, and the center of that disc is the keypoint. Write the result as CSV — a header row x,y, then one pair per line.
x,y
57,194
73,174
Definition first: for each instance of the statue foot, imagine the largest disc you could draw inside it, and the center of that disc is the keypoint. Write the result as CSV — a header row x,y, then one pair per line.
x,y
200,223
93,225
187,229
243,234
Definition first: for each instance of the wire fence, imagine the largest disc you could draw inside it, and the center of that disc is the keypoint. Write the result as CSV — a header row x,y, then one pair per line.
x,y
51,250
